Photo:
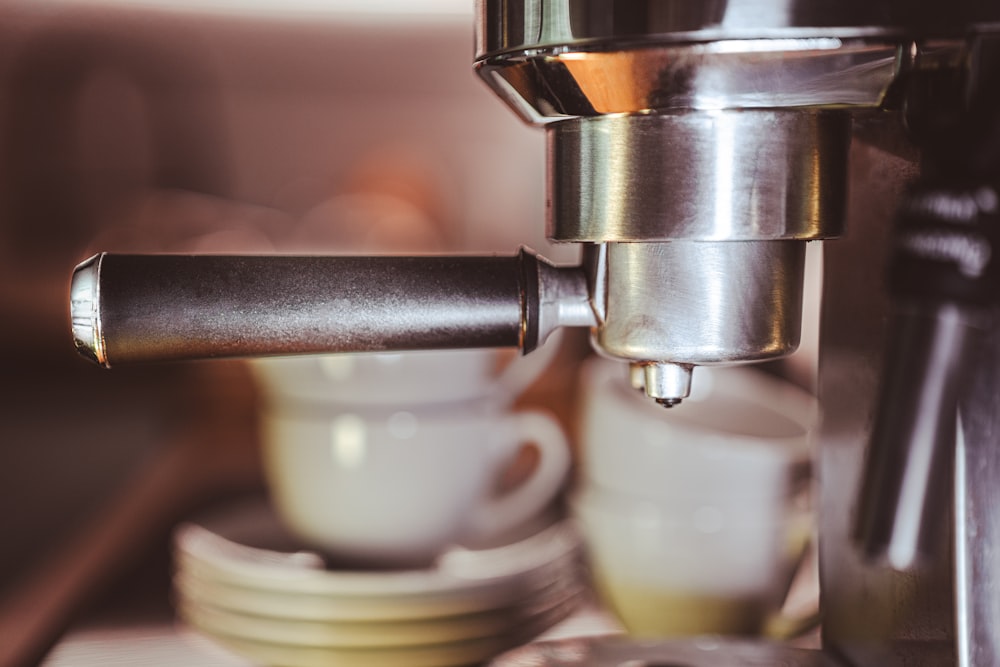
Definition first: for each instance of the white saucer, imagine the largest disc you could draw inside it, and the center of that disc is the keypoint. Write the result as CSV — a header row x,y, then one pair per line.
x,y
458,569
452,654
390,637
284,606
323,608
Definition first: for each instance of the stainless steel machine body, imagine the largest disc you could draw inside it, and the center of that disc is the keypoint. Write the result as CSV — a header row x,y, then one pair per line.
x,y
694,147
644,106
708,150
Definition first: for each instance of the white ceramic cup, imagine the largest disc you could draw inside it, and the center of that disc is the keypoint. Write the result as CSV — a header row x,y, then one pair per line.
x,y
696,517
396,487
741,430
403,378
668,569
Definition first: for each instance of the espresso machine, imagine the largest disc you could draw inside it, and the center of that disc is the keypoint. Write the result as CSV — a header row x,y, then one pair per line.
x,y
693,149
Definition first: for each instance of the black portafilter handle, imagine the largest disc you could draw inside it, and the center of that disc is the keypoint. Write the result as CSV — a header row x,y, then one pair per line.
x,y
943,282
140,308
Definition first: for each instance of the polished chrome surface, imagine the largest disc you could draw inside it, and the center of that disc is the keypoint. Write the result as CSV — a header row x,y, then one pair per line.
x,y
702,302
741,74
977,531
968,560
563,300
85,321
514,25
905,496
906,493
942,282
873,614
667,383
130,308
715,175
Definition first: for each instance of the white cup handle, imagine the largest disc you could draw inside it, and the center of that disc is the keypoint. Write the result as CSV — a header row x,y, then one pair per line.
x,y
499,514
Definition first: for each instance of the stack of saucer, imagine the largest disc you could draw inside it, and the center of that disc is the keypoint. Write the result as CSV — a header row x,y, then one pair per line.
x,y
278,606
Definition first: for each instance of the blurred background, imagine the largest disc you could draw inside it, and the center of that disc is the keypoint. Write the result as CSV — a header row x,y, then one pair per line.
x,y
215,127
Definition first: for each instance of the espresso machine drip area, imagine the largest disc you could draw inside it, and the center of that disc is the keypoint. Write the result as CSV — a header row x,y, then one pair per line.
x,y
693,149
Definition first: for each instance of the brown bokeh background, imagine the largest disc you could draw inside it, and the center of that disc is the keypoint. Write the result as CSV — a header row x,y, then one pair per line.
x,y
149,129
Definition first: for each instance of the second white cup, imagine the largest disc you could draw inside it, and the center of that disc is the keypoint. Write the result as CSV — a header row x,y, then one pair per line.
x,y
395,487
695,518
740,432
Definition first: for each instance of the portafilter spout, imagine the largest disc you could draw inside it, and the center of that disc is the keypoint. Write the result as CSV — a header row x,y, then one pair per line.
x,y
135,308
